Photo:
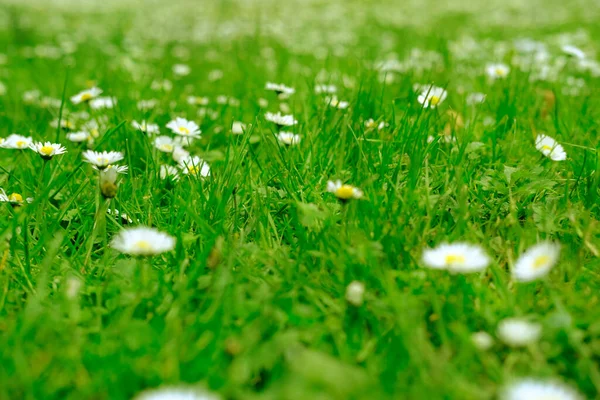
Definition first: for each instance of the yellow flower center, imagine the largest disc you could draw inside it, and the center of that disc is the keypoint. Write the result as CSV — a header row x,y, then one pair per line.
x,y
345,192
143,245
15,198
434,100
499,71
102,160
86,96
546,148
46,150
167,147
540,261
193,169
21,143
183,129
455,259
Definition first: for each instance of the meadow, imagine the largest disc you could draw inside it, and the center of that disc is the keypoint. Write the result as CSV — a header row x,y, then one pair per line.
x,y
314,199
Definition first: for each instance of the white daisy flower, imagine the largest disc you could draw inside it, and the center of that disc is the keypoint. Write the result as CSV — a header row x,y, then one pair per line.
x,y
573,51
179,154
169,171
119,169
102,102
288,138
517,332
14,199
280,88
329,89
183,127
497,71
372,124
48,150
78,137
431,96
181,69
15,141
86,95
64,124
355,293
534,389
456,257
482,340
281,120
238,128
334,102
198,101
102,159
150,129
164,144
175,393
194,166
342,191
536,262
142,241
550,148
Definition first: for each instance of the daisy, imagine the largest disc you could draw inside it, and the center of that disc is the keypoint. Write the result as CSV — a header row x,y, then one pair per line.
x,y
280,88
119,169
181,69
238,128
550,148
164,144
102,102
179,154
150,129
372,124
281,120
355,293
573,51
15,141
64,124
14,199
330,89
497,71
482,340
344,192
86,95
183,127
48,150
197,101
431,96
288,138
534,389
175,393
517,332
142,241
536,262
78,137
102,159
334,102
456,257
169,171
194,166
108,182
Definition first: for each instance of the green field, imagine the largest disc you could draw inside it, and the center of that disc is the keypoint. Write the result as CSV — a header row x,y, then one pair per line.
x,y
466,123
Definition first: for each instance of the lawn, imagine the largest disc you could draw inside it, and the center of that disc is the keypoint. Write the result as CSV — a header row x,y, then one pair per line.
x,y
248,199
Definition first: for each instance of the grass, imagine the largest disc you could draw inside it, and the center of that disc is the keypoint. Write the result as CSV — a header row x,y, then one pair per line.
x,y
251,302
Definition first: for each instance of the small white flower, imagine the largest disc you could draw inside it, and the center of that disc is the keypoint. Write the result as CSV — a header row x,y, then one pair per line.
x,y
573,51
355,293
497,71
330,89
456,257
15,141
482,340
334,102
64,124
147,104
102,159
179,154
181,69
197,101
281,120
342,191
183,127
194,166
431,96
534,389
169,171
142,241
175,393
119,169
517,332
102,102
475,98
280,88
48,150
150,129
536,262
77,137
238,128
288,138
86,95
550,148
164,144
15,199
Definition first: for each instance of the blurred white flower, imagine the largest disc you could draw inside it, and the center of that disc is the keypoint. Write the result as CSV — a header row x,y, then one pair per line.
x,y
456,257
517,332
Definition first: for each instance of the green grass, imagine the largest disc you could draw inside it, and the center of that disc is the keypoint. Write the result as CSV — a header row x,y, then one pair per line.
x,y
251,302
